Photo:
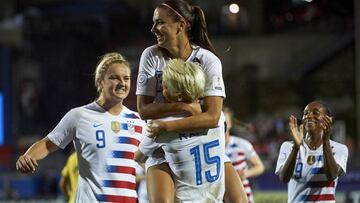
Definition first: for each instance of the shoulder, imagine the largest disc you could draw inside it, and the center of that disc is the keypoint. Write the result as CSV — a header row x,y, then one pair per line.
x,y
338,146
93,106
151,51
205,55
287,144
80,112
77,111
130,114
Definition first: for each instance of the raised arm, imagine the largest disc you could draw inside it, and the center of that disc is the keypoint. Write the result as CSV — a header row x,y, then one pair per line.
x,y
39,150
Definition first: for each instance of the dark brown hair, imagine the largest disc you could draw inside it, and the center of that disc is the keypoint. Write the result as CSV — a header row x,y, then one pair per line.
x,y
194,15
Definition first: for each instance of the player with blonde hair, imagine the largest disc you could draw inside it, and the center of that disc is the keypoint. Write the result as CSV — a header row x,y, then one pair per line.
x,y
196,158
105,134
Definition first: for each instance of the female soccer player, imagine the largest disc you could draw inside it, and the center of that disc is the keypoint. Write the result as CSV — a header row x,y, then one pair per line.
x,y
105,134
311,164
242,155
181,32
189,154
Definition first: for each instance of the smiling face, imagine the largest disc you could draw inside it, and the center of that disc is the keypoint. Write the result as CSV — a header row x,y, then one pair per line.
x,y
314,114
116,82
165,28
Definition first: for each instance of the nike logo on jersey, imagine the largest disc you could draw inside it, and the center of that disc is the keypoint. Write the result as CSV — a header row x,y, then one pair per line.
x,y
95,125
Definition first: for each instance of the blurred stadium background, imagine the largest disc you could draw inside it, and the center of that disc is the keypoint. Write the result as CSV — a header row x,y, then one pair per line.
x,y
277,56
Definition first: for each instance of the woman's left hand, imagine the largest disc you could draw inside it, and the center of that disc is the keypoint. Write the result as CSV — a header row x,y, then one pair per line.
x,y
326,124
155,128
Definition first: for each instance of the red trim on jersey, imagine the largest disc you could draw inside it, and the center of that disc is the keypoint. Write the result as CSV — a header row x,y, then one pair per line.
x,y
134,141
117,198
123,155
241,153
138,129
324,197
238,162
120,184
320,184
246,185
123,169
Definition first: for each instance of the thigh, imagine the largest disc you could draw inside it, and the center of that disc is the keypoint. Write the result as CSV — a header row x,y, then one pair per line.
x,y
160,185
234,190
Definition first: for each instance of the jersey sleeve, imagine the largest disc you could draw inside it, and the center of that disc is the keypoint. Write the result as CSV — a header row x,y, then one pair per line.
x,y
285,150
146,80
341,156
215,83
249,150
65,130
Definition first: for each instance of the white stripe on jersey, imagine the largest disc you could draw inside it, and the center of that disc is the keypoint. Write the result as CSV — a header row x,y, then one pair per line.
x,y
119,191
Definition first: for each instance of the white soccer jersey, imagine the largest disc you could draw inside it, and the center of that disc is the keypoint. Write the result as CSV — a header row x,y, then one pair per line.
x,y
309,182
152,63
141,187
105,146
240,151
196,160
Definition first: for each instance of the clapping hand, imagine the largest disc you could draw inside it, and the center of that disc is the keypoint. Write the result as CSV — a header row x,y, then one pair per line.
x,y
297,131
326,124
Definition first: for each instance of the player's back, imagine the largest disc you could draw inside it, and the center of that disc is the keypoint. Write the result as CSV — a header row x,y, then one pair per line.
x,y
197,162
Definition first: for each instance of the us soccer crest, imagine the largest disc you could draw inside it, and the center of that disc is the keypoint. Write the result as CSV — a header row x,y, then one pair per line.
x,y
311,159
115,126
131,128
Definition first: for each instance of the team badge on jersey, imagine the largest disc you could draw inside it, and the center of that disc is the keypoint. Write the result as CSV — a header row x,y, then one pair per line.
x,y
115,126
311,159
217,83
142,79
131,128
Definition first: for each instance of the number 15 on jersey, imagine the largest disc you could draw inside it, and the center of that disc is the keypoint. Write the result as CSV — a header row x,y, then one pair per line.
x,y
196,152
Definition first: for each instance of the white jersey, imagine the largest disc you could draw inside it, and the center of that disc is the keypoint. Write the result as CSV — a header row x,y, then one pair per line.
x,y
240,151
152,63
309,182
196,160
105,146
141,187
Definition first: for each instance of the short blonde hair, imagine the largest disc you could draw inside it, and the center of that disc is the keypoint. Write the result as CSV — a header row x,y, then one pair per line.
x,y
184,78
103,65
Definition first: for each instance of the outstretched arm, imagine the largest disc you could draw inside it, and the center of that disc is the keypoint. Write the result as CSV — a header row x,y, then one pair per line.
x,y
39,150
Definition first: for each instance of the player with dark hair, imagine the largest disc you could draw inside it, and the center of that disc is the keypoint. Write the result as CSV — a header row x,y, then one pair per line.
x,y
312,163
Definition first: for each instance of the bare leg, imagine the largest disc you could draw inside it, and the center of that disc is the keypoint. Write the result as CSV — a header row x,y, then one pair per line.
x,y
234,190
160,185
